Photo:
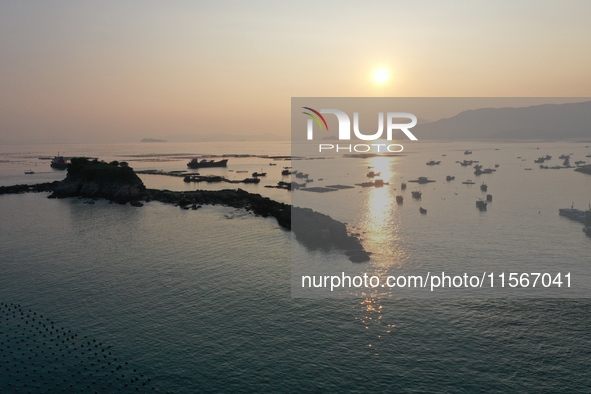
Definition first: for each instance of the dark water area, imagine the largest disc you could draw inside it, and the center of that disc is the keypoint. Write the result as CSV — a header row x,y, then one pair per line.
x,y
199,301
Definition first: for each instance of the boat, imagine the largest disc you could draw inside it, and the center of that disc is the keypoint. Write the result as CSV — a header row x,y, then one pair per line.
x,y
59,163
489,197
196,163
562,157
241,171
450,178
29,172
467,163
251,180
433,163
258,174
399,199
484,187
422,180
468,182
528,169
272,164
480,204
286,172
468,152
587,231
372,174
403,186
422,210
417,195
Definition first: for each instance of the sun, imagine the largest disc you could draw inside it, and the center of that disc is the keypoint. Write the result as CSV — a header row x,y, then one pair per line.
x,y
381,75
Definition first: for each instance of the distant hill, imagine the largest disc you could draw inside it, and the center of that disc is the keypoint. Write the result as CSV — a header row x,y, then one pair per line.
x,y
548,121
152,140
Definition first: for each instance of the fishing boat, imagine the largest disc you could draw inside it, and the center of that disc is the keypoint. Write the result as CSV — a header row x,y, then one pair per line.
x,y
196,163
468,152
59,163
468,182
403,186
416,195
29,172
372,174
399,199
258,174
433,163
484,187
423,211
450,178
481,205
251,180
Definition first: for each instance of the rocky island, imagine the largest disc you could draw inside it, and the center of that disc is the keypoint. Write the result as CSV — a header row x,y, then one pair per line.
x,y
118,182
96,179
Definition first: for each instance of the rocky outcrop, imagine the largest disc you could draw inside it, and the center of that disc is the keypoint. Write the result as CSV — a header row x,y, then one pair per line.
x,y
98,179
37,188
92,178
311,228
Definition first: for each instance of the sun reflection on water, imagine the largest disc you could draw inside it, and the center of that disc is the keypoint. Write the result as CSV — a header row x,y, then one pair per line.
x,y
379,222
372,318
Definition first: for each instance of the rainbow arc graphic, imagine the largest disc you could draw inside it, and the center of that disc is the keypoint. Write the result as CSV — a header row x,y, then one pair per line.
x,y
318,118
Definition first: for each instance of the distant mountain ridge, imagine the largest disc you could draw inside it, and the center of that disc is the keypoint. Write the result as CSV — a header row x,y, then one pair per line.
x,y
547,121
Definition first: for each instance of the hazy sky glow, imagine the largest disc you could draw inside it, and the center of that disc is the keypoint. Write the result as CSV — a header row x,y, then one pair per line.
x,y
110,71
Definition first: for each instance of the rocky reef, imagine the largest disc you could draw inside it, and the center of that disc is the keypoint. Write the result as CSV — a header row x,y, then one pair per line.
x,y
92,178
313,229
119,183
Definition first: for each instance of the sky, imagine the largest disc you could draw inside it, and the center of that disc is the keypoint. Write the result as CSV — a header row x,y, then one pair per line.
x,y
118,71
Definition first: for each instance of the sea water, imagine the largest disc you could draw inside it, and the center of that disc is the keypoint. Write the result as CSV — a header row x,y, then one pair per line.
x,y
200,300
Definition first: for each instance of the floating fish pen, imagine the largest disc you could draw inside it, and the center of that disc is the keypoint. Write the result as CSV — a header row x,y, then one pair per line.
x,y
318,189
422,180
39,355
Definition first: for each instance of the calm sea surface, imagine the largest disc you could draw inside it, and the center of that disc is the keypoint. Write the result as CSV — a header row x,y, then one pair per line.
x,y
102,297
